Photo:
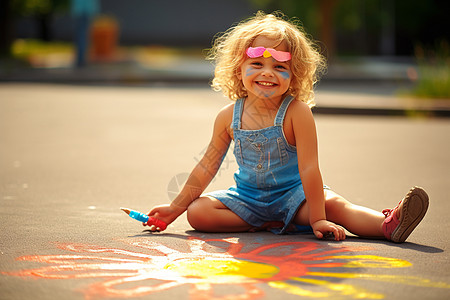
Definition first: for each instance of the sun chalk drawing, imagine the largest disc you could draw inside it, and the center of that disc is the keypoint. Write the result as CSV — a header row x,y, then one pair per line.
x,y
306,269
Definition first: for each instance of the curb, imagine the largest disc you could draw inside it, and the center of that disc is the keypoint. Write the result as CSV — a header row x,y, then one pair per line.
x,y
388,112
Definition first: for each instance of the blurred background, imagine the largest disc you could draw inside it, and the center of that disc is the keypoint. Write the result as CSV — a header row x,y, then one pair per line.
x,y
145,41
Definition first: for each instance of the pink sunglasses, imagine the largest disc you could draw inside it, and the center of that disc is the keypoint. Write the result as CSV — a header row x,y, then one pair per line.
x,y
280,56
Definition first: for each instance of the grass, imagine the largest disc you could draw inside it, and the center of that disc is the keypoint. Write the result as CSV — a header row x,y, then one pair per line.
x,y
433,72
41,54
25,48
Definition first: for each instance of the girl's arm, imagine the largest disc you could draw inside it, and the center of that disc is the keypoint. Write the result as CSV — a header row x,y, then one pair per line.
x,y
308,163
207,167
203,172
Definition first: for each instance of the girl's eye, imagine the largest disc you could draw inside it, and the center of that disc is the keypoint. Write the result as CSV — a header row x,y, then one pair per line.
x,y
280,67
256,64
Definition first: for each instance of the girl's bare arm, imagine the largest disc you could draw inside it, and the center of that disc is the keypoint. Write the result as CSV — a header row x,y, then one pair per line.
x,y
203,172
308,163
207,167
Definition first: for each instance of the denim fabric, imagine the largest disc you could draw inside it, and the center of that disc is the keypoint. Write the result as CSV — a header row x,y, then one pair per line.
x,y
268,185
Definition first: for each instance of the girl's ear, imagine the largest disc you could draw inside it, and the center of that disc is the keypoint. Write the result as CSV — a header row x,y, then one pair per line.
x,y
290,90
239,74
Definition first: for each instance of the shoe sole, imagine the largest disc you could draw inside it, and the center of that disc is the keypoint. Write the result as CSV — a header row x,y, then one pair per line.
x,y
415,206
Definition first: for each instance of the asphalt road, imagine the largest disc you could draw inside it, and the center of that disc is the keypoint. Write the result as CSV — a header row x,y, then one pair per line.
x,y
70,156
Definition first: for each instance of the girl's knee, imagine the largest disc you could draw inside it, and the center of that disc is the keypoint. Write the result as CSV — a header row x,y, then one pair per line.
x,y
335,204
197,214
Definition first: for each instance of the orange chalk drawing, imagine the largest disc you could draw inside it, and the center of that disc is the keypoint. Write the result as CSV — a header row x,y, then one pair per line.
x,y
296,268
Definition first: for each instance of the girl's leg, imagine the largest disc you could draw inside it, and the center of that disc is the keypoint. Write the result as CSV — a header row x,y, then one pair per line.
x,y
208,214
357,219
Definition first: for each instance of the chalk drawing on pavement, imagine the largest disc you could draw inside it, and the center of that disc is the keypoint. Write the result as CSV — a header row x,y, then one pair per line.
x,y
307,269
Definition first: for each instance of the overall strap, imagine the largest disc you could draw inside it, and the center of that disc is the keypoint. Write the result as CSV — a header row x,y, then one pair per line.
x,y
237,113
282,111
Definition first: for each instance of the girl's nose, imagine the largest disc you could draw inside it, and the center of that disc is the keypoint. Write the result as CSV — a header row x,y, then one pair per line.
x,y
267,72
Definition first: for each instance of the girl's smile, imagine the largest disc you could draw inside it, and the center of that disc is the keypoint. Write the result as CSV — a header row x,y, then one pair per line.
x,y
264,83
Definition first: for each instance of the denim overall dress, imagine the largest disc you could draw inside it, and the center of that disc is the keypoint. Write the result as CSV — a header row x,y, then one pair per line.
x,y
268,185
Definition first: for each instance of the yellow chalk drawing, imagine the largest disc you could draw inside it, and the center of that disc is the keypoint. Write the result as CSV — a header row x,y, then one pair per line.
x,y
372,261
334,289
307,269
408,280
222,270
296,290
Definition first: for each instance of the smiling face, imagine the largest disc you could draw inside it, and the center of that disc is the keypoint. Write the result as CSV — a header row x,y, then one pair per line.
x,y
265,77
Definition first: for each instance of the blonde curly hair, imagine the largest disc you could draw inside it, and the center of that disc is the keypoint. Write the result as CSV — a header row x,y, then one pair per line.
x,y
228,52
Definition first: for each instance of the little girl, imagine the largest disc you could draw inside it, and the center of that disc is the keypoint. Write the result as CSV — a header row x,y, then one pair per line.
x,y
268,67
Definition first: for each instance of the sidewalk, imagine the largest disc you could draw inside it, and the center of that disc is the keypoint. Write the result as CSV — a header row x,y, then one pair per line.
x,y
339,92
71,156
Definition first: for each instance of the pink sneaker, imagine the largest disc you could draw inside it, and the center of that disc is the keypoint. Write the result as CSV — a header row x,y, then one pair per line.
x,y
411,211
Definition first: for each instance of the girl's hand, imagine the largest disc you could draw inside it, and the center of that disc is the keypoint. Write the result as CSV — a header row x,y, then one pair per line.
x,y
165,213
322,228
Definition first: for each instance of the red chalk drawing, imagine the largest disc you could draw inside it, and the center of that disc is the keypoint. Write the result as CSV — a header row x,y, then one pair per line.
x,y
299,268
